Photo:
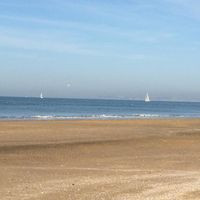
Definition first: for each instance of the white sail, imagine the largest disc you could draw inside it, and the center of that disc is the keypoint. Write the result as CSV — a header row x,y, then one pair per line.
x,y
41,96
147,99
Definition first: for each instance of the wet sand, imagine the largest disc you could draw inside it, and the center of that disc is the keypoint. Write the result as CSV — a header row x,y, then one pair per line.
x,y
97,160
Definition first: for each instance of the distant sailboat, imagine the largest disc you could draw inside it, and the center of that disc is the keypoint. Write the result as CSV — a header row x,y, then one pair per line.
x,y
41,96
147,99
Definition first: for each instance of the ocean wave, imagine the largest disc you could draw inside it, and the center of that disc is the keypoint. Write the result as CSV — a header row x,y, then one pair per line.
x,y
101,116
97,117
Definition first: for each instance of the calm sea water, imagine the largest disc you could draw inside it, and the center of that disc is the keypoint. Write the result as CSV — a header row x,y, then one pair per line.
x,y
50,108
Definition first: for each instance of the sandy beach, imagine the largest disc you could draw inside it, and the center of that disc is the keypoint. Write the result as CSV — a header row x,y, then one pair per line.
x,y
97,160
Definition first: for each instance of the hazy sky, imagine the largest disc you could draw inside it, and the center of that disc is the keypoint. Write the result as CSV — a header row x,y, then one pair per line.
x,y
100,48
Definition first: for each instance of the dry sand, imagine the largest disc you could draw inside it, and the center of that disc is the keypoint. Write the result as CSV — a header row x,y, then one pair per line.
x,y
100,160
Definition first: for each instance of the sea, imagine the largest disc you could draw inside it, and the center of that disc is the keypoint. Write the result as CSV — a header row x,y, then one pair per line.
x,y
21,108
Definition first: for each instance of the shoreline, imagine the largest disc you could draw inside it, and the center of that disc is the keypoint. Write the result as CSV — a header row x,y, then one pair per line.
x,y
98,119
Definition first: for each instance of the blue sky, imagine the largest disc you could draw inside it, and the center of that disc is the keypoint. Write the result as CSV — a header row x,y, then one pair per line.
x,y
100,48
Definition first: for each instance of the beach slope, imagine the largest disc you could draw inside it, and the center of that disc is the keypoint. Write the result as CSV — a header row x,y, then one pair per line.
x,y
105,159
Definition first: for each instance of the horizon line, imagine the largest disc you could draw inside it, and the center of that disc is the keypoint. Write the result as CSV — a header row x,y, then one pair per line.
x,y
105,98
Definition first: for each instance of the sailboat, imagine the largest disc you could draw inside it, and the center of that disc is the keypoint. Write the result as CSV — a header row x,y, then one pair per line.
x,y
147,99
41,96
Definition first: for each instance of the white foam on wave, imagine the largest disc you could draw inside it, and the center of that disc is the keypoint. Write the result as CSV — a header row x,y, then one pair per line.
x,y
53,117
148,115
42,117
102,116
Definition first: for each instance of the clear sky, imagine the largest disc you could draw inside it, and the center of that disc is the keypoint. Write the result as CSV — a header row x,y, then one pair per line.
x,y
100,48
